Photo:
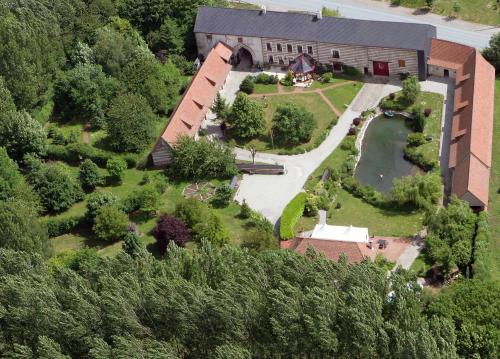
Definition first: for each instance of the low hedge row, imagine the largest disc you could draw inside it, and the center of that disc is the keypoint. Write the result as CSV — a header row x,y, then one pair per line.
x,y
291,215
74,153
412,155
59,226
368,194
481,245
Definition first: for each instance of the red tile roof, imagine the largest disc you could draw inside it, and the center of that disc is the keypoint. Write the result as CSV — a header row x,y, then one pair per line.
x,y
331,249
191,110
472,126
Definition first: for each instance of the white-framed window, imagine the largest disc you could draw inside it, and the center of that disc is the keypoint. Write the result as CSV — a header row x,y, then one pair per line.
x,y
269,46
271,59
299,49
289,48
279,48
310,50
335,54
280,60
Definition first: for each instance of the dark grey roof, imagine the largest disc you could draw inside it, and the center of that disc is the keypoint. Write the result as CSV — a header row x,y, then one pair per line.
x,y
300,26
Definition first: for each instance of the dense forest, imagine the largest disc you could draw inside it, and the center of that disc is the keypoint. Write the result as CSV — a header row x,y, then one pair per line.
x,y
121,65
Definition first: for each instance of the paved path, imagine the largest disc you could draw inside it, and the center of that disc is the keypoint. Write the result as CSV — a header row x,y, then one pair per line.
x,y
322,216
467,33
270,194
410,254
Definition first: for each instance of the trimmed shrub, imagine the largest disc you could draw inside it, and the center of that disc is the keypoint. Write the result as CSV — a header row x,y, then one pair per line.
x,y
414,156
291,215
89,175
74,153
287,80
59,226
116,167
356,121
97,200
427,112
327,78
392,96
222,197
265,79
245,210
481,245
247,85
110,224
415,139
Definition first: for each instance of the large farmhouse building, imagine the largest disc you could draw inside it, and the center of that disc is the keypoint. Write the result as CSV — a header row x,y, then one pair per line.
x,y
277,38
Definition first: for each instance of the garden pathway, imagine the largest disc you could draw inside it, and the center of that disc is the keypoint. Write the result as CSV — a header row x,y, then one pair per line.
x,y
86,133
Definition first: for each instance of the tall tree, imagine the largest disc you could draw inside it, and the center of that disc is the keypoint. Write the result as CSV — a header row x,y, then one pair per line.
x,y
246,117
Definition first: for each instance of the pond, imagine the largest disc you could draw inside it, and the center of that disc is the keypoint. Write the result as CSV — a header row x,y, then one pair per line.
x,y
382,157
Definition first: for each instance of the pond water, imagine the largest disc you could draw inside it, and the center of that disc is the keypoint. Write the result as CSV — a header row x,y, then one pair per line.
x,y
382,157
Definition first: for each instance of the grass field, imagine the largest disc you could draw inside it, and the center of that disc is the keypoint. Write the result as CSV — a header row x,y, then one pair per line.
x,y
341,97
479,11
317,85
265,88
494,207
311,101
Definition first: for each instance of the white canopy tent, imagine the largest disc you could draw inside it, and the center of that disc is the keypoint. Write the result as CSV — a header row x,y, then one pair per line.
x,y
340,233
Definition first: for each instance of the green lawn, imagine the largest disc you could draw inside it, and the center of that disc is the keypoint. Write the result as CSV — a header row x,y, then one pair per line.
x,y
342,96
317,85
493,261
479,11
432,124
311,101
265,88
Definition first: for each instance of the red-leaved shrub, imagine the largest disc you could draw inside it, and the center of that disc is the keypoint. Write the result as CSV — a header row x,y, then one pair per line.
x,y
169,229
356,121
427,112
392,95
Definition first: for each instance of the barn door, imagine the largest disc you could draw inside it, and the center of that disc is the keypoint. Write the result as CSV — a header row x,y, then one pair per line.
x,y
380,68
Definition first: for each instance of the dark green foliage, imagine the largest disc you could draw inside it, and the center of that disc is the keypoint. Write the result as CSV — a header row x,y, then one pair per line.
x,y
12,184
202,159
145,199
191,212
130,123
170,229
20,134
327,78
473,306
110,223
59,226
247,85
75,152
97,200
116,167
57,189
245,210
416,139
451,232
264,78
220,108
287,80
246,117
411,89
366,193
259,235
418,120
481,247
263,305
159,83
20,228
89,175
424,162
222,197
84,93
292,124
419,191
492,52
132,244
291,215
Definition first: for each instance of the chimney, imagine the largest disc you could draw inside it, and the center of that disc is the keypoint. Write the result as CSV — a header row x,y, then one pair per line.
x,y
319,15
263,10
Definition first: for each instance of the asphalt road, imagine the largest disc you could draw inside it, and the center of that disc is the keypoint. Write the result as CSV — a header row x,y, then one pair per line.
x,y
476,35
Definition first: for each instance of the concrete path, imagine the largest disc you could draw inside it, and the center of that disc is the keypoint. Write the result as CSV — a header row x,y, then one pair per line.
x,y
322,216
410,254
467,33
270,194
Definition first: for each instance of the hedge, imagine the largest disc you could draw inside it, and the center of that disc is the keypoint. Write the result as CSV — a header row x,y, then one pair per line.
x,y
74,153
481,245
59,226
291,215
417,158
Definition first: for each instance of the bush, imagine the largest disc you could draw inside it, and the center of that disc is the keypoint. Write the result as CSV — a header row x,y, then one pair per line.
x,y
247,85
110,224
59,226
89,175
116,167
414,156
312,205
75,152
211,229
258,239
222,197
427,112
169,229
145,199
292,124
132,244
415,139
356,121
419,191
96,201
291,215
191,212
245,210
411,89
349,145
57,189
366,193
480,269
352,72
392,96
265,79
202,159
418,118
246,117
327,78
287,80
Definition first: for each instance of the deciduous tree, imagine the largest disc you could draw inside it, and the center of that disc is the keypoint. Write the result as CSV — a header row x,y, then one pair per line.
x,y
246,117
292,124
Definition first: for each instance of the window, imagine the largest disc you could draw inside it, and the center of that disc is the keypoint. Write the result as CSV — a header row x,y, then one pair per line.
x,y
289,48
281,61
290,60
335,54
279,48
269,47
209,37
310,50
271,59
299,49
240,39
402,63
